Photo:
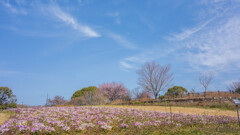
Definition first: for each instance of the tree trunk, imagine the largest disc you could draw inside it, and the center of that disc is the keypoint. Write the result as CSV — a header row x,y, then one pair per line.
x,y
205,94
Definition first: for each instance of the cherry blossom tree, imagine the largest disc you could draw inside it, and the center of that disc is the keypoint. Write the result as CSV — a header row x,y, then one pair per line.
x,y
114,90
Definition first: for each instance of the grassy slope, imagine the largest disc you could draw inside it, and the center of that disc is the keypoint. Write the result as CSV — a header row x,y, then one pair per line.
x,y
188,110
228,129
4,116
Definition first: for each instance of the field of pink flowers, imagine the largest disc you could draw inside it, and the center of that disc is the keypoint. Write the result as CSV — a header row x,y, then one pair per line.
x,y
106,120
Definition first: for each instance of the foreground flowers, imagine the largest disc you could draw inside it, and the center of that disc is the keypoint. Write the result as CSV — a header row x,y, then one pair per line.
x,y
103,120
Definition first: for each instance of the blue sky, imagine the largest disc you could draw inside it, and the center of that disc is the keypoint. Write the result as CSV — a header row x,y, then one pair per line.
x,y
57,47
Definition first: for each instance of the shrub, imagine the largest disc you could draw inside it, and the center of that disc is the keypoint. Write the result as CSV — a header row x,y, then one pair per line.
x,y
89,98
81,92
176,91
2,107
12,105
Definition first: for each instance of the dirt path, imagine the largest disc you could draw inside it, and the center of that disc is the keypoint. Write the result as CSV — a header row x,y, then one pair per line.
x,y
4,117
187,110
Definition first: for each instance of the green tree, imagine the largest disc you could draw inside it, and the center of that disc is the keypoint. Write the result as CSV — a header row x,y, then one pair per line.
x,y
88,96
7,98
81,92
176,91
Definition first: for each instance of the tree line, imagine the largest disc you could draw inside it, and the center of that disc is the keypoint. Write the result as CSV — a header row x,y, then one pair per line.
x,y
153,79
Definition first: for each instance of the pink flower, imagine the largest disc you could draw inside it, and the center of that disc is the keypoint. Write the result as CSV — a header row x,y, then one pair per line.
x,y
124,125
107,127
138,124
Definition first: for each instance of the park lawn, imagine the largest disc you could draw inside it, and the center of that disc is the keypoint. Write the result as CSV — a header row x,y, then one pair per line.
x,y
185,110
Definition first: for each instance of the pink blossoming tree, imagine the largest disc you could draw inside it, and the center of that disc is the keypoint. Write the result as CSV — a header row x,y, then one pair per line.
x,y
114,90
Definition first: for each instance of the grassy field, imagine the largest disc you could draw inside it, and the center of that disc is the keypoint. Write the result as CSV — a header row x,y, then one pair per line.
x,y
4,116
108,120
186,110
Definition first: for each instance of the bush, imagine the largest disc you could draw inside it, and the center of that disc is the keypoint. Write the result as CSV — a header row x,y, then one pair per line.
x,y
12,105
81,92
2,107
176,91
89,98
136,103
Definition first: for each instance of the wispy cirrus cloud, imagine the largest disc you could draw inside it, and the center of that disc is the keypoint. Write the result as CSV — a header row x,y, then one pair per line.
x,y
216,47
122,41
125,65
12,8
213,10
133,62
212,45
116,16
71,21
188,32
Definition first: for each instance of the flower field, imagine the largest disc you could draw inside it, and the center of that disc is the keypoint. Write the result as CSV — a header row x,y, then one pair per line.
x,y
105,120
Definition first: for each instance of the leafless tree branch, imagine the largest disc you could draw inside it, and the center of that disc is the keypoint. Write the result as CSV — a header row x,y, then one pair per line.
x,y
205,79
154,78
234,87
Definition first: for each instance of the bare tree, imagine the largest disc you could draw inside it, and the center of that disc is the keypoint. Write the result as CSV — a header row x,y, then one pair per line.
x,y
138,94
57,100
154,78
234,87
205,79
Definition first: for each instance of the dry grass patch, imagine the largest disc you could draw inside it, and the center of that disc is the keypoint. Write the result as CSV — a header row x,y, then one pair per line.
x,y
186,110
4,116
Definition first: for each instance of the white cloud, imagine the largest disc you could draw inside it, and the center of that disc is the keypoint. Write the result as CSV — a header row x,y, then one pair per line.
x,y
12,8
122,41
68,19
188,32
116,16
134,59
133,62
213,10
213,47
125,65
217,46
